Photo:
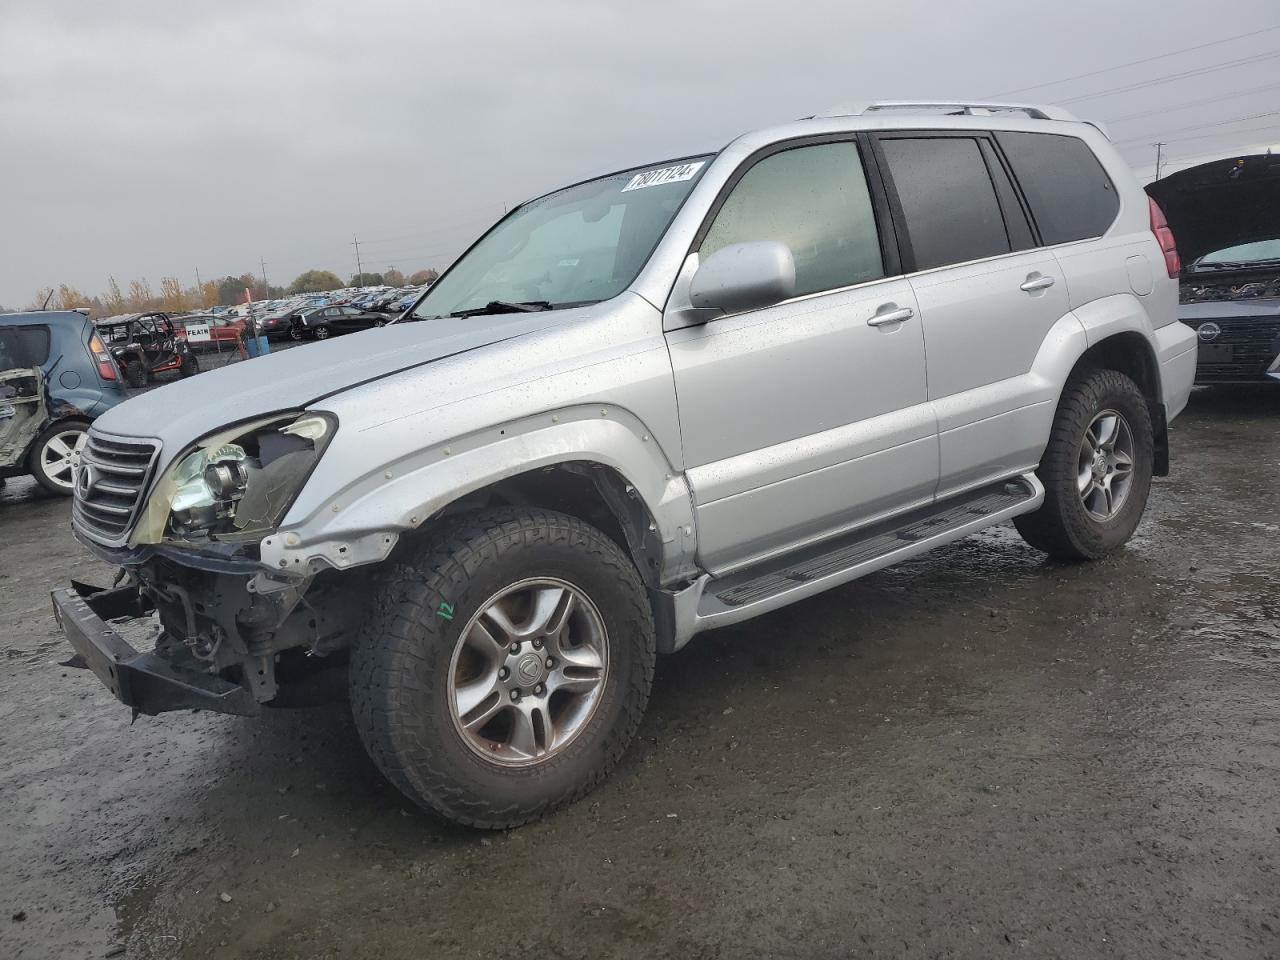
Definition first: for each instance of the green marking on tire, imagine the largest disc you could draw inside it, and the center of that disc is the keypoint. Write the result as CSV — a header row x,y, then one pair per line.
x,y
445,611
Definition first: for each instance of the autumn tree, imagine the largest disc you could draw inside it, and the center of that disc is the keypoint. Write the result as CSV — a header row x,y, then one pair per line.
x,y
172,297
315,281
393,277
424,276
114,303
68,298
140,296
207,295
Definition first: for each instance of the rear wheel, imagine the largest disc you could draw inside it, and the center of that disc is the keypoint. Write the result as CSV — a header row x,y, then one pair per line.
x,y
1096,469
55,456
295,331
321,333
506,667
135,373
190,366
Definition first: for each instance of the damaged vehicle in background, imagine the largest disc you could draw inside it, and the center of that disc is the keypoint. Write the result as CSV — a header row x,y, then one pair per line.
x,y
56,376
1226,216
148,345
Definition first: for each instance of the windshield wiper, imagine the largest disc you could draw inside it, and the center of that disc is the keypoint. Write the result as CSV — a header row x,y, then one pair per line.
x,y
505,306
1235,264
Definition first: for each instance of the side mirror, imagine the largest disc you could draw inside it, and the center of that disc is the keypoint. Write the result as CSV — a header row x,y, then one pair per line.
x,y
744,276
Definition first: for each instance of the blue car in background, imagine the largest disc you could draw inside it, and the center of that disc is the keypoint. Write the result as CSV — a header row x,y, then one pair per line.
x,y
56,377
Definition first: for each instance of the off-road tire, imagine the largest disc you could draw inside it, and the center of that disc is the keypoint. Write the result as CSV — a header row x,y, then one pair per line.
x,y
190,366
135,373
400,663
1062,527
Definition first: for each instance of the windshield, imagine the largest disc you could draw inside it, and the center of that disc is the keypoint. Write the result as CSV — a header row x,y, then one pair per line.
x,y
1244,254
579,245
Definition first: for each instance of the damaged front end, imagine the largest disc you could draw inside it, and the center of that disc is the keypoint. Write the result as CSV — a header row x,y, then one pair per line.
x,y
228,635
218,644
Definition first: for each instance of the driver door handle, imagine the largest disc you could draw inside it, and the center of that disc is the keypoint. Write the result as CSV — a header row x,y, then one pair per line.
x,y
1039,283
893,316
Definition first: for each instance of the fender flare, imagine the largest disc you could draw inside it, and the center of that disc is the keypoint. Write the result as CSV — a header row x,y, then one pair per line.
x,y
363,522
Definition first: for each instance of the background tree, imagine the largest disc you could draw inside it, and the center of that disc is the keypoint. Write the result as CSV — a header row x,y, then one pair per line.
x,y
207,295
231,289
366,280
392,277
140,296
68,298
114,302
172,297
315,281
424,276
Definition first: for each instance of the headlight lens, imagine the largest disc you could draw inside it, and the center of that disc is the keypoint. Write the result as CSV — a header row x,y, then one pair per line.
x,y
237,484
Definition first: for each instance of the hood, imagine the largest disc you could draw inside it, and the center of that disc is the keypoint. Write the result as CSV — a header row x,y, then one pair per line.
x,y
181,412
1221,204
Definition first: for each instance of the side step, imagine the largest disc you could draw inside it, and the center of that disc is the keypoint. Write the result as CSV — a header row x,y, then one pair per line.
x,y
711,603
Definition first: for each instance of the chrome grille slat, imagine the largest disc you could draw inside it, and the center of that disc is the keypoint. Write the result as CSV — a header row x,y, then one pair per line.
x,y
120,471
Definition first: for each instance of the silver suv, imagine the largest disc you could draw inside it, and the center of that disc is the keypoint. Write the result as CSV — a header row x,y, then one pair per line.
x,y
640,407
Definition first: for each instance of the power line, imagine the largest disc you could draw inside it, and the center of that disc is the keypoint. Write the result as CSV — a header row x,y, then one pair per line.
x,y
1191,103
1134,63
1240,62
1202,126
1227,133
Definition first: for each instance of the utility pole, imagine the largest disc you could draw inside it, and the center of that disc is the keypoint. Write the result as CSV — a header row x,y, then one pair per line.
x,y
355,241
266,288
198,283
1160,145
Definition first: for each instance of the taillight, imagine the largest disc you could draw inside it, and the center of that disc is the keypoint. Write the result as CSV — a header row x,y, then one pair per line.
x,y
1164,237
106,366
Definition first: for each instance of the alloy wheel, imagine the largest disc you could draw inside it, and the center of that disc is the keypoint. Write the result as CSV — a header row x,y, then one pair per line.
x,y
60,457
528,672
1105,469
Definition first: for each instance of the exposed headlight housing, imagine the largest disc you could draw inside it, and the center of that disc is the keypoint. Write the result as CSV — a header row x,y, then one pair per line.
x,y
236,485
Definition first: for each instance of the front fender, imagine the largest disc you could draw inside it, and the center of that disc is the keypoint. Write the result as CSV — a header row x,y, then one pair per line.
x,y
362,523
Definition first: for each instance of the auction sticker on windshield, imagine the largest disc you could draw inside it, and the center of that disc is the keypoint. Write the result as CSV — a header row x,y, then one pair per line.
x,y
654,178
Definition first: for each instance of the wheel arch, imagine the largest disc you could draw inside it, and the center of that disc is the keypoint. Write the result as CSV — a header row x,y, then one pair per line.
x,y
1130,352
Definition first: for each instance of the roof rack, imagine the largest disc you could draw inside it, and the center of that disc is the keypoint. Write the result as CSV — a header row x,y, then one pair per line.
x,y
968,108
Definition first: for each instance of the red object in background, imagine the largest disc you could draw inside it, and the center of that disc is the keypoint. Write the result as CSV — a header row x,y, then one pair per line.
x,y
221,330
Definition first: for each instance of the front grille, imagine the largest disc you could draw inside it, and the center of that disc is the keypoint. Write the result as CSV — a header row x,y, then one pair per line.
x,y
110,484
1254,342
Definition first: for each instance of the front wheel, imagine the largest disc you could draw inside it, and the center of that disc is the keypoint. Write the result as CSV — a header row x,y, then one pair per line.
x,y
505,667
190,366
1096,469
321,333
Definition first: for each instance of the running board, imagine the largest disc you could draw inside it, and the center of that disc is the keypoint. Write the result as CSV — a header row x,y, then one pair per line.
x,y
717,602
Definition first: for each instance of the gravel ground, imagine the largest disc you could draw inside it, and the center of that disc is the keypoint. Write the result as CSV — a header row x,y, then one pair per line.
x,y
977,754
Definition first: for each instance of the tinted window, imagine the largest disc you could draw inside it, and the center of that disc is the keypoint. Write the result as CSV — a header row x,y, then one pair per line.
x,y
947,200
22,347
1071,196
813,199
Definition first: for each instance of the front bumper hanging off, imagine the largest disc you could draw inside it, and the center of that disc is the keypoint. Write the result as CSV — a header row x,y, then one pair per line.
x,y
144,681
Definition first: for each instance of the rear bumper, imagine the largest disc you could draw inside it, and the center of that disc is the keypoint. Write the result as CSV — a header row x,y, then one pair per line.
x,y
1176,352
144,681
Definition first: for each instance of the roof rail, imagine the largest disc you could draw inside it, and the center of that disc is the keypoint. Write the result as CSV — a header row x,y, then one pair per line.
x,y
971,108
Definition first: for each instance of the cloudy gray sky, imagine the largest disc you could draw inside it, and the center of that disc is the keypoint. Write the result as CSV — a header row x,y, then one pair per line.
x,y
157,137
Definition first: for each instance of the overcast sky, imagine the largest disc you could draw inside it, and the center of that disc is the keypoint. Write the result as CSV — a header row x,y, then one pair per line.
x,y
159,137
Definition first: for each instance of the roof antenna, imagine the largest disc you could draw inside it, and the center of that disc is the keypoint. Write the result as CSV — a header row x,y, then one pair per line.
x,y
45,305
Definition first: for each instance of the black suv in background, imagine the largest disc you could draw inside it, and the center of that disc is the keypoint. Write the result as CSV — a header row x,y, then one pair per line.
x,y
1226,217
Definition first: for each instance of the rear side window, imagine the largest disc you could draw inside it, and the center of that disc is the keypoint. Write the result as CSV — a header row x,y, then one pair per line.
x,y
815,200
947,199
23,347
1070,195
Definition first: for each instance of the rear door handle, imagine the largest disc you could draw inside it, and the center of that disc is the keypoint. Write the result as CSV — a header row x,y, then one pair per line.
x,y
893,316
1039,283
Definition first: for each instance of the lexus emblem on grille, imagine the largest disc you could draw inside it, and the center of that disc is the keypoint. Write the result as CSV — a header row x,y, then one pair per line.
x,y
85,481
1208,331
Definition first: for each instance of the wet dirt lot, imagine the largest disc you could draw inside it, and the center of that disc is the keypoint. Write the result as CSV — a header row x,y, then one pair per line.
x,y
977,754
